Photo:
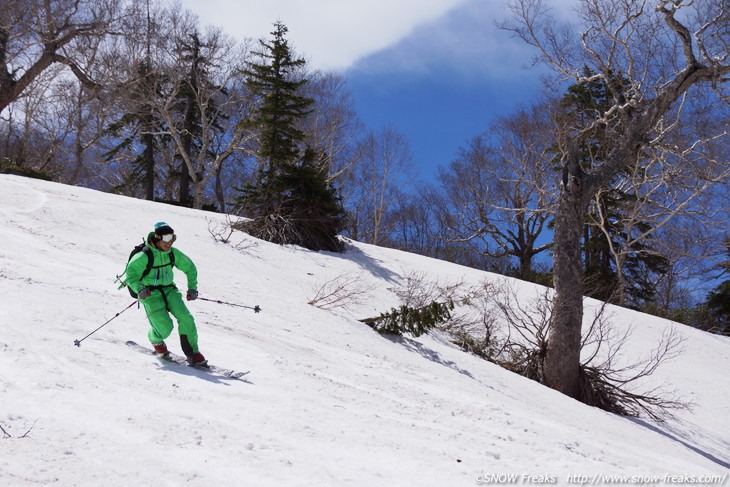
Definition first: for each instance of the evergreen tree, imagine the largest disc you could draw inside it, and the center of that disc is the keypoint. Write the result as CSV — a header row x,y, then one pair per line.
x,y
140,126
415,321
274,82
292,201
718,300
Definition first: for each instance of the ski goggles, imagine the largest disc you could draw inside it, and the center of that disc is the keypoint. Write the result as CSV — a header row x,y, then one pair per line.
x,y
169,238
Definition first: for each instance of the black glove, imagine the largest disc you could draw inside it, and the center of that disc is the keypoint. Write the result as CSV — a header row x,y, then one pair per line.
x,y
192,294
144,293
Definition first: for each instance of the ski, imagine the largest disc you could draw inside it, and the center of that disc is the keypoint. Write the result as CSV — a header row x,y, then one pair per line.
x,y
177,359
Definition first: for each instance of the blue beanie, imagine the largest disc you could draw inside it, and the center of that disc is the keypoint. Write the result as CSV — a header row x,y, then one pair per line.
x,y
162,228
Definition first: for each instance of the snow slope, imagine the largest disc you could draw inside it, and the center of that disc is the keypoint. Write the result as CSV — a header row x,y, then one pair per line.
x,y
329,402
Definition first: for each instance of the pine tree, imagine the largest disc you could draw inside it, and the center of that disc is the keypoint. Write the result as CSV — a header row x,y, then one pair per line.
x,y
414,321
718,300
280,104
291,201
141,126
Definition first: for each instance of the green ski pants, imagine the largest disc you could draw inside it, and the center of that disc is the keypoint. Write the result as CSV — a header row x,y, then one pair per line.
x,y
165,301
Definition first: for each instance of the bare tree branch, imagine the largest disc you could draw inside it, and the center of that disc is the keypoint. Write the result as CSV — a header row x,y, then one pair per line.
x,y
654,51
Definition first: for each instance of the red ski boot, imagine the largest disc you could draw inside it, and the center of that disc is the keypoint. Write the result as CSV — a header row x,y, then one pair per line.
x,y
161,348
197,360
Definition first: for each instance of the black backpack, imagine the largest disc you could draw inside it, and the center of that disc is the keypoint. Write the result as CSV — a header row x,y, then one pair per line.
x,y
150,261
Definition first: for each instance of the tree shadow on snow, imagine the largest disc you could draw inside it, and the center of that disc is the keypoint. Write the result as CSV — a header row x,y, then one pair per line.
x,y
425,352
370,264
669,435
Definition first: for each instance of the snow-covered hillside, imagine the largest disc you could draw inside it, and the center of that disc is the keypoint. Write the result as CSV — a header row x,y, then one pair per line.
x,y
328,402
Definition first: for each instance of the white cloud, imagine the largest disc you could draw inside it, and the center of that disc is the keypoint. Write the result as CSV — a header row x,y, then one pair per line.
x,y
466,43
331,34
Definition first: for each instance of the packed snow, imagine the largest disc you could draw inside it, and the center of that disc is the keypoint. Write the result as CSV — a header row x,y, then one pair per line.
x,y
328,401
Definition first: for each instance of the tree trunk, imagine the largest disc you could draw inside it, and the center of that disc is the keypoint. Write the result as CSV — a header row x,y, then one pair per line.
x,y
562,360
187,140
218,189
639,98
184,184
149,167
525,259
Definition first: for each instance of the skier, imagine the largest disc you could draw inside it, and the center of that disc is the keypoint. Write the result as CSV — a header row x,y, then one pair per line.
x,y
159,295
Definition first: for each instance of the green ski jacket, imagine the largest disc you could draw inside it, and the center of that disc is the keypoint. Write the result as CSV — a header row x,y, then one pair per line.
x,y
161,273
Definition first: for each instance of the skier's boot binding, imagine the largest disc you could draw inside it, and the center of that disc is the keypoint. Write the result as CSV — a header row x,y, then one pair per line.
x,y
197,360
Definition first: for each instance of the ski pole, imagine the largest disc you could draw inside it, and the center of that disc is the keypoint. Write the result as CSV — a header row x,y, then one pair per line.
x,y
78,342
256,308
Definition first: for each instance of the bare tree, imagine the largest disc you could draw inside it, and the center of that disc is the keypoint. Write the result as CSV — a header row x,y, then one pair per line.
x,y
54,118
498,188
671,185
414,223
33,135
35,34
663,52
219,97
341,291
611,380
382,161
332,126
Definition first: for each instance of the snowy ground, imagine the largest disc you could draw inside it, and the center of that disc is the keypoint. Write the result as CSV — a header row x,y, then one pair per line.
x,y
328,402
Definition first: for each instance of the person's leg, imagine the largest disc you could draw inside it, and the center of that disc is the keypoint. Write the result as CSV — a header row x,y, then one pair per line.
x,y
185,322
160,322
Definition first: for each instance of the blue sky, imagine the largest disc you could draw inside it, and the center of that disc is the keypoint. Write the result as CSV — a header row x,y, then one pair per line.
x,y
439,70
444,82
